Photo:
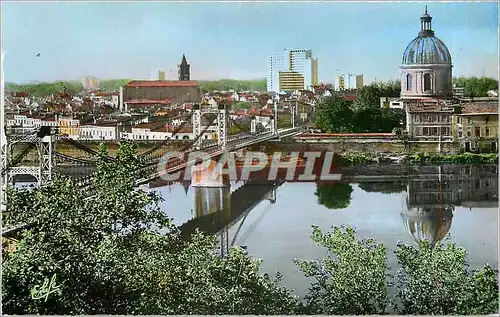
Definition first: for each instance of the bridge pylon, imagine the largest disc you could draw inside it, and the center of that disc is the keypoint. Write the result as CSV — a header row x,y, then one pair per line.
x,y
222,124
197,126
43,139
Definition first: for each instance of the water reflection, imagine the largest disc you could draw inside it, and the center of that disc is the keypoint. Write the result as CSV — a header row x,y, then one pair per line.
x,y
334,196
431,200
430,195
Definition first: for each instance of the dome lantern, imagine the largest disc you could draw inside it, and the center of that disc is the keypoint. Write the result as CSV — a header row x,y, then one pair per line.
x,y
426,24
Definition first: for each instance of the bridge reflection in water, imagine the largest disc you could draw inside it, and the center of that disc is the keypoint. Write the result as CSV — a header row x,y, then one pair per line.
x,y
216,209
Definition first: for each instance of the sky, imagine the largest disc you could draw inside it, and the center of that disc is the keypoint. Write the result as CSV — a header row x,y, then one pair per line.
x,y
234,40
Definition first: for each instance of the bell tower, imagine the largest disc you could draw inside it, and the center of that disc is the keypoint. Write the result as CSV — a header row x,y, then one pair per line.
x,y
184,74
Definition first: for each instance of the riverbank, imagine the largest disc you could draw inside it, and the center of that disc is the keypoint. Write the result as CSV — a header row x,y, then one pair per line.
x,y
357,158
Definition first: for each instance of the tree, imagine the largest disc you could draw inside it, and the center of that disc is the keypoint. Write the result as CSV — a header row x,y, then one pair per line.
x,y
334,196
390,88
367,97
46,89
351,280
234,84
113,84
436,281
334,114
476,86
118,253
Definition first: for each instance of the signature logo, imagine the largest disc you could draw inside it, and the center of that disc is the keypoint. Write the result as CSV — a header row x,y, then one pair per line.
x,y
47,288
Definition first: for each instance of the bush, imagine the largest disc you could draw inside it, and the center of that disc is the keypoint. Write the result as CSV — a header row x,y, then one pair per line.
x,y
118,253
436,281
462,158
351,280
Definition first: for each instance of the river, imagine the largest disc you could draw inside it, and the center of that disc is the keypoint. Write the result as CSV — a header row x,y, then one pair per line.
x,y
389,204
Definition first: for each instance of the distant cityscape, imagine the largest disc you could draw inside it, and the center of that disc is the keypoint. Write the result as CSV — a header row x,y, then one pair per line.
x,y
150,109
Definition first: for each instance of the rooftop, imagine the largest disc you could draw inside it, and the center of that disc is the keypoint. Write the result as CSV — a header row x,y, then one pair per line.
x,y
149,102
163,83
480,107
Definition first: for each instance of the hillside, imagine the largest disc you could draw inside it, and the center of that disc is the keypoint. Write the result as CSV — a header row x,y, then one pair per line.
x,y
43,89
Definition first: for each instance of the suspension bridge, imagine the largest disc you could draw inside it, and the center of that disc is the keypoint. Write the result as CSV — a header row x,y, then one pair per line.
x,y
44,140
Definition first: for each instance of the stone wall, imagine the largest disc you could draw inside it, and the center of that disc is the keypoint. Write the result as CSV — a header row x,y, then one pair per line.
x,y
359,145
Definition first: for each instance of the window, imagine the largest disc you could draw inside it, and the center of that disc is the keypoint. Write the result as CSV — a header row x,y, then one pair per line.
x,y
469,132
445,130
427,82
408,82
486,120
460,134
478,132
459,119
487,132
469,120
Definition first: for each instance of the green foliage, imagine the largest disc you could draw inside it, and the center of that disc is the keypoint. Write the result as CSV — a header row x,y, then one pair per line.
x,y
351,280
118,253
436,281
355,158
367,97
113,84
45,89
334,196
242,105
334,114
362,115
476,86
234,84
462,158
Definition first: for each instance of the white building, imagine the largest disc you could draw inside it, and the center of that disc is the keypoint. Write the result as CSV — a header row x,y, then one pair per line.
x,y
276,64
97,132
391,102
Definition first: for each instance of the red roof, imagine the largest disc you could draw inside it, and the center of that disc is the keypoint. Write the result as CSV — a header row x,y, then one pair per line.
x,y
149,102
328,135
480,108
163,83
350,98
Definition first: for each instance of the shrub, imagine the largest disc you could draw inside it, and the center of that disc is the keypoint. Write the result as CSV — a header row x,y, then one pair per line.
x,y
436,281
118,253
351,280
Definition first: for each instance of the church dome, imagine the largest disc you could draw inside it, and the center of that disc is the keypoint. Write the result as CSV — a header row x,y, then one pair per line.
x,y
431,224
426,48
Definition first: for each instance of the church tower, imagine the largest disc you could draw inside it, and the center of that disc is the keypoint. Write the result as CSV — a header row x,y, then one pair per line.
x,y
426,69
184,74
426,87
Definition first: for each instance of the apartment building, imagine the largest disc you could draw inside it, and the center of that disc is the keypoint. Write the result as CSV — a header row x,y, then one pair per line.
x,y
475,126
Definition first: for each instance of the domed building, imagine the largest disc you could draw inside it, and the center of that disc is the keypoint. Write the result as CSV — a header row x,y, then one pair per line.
x,y
426,86
426,65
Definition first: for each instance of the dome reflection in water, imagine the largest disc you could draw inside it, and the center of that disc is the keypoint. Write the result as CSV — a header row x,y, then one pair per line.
x,y
428,223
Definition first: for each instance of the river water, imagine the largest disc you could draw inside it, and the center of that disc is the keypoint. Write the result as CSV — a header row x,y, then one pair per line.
x,y
389,204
